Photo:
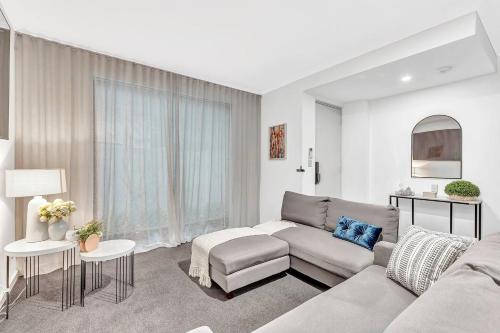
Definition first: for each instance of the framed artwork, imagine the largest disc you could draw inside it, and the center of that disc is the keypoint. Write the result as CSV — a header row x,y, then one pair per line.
x,y
277,142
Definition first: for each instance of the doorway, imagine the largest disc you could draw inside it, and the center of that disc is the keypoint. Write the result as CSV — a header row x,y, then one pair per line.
x,y
328,150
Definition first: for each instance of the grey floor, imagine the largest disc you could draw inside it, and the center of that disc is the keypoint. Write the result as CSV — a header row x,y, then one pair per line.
x,y
165,299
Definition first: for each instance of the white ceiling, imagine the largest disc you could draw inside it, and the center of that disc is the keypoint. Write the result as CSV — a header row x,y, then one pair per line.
x,y
467,58
256,45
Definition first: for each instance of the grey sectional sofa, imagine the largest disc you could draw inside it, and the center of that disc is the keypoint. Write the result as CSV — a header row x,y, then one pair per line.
x,y
309,248
362,299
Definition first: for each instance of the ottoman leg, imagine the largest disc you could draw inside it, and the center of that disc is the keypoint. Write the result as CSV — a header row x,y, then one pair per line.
x,y
229,295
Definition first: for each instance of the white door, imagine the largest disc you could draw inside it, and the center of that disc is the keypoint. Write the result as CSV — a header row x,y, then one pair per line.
x,y
328,150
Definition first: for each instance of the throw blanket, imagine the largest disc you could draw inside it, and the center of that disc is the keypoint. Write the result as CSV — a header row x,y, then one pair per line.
x,y
200,250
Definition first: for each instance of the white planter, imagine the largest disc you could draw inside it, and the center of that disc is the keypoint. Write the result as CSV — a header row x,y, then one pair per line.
x,y
57,230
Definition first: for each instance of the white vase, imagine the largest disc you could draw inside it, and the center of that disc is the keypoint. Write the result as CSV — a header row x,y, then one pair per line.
x,y
57,230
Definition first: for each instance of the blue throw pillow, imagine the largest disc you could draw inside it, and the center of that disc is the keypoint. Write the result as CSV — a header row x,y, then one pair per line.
x,y
354,231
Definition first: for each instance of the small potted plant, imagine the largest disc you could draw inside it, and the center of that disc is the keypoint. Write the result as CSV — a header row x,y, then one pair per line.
x,y
89,235
462,190
54,214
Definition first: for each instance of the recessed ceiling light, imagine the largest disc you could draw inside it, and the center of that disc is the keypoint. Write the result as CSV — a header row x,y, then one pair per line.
x,y
406,78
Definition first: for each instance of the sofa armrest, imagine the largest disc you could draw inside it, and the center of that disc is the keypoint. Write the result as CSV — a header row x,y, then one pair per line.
x,y
382,252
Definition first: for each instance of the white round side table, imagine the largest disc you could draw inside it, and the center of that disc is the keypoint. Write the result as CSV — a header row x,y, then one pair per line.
x,y
31,252
122,251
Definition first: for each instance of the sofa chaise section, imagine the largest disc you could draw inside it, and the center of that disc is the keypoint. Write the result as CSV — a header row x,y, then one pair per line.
x,y
367,302
318,247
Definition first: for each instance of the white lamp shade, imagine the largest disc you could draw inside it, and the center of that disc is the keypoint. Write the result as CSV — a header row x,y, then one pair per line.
x,y
32,182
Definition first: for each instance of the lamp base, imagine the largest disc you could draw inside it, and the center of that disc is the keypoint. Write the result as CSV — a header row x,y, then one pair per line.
x,y
36,231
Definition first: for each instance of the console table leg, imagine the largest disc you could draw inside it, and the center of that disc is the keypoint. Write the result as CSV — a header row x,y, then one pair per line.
x,y
475,221
451,217
480,219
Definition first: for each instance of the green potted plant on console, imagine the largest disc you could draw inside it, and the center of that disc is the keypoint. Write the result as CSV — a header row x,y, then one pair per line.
x,y
462,190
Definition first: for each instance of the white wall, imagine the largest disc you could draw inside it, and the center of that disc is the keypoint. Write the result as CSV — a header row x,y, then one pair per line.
x,y
329,150
278,176
355,151
475,105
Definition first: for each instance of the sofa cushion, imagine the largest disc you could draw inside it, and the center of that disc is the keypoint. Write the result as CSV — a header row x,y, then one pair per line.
x,y
359,233
483,257
386,217
367,302
320,248
421,256
463,301
305,209
244,252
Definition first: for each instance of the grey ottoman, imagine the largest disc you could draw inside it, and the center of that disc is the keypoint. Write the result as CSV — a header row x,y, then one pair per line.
x,y
241,261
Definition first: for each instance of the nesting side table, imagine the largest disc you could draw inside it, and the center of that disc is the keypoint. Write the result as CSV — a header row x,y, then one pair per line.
x,y
31,252
120,250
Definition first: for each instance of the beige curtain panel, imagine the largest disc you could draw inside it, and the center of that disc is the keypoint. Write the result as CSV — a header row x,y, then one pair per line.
x,y
55,127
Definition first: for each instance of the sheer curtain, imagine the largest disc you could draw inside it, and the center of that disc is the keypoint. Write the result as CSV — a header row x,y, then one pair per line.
x,y
158,156
161,163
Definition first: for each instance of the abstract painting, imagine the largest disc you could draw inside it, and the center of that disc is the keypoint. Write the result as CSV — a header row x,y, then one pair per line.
x,y
277,142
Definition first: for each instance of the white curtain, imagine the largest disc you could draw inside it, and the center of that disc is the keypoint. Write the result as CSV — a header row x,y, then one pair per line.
x,y
158,156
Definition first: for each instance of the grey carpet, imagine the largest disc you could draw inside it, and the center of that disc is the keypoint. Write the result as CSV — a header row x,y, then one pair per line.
x,y
165,299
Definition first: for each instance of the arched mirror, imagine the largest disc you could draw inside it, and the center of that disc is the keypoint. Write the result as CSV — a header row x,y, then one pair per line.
x,y
437,148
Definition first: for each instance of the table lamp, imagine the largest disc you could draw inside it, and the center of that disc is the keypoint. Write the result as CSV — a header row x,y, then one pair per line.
x,y
34,183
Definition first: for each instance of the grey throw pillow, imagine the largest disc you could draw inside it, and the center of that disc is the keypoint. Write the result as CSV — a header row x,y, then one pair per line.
x,y
421,256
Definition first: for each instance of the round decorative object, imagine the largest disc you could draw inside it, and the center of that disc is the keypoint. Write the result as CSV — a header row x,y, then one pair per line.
x,y
57,230
90,244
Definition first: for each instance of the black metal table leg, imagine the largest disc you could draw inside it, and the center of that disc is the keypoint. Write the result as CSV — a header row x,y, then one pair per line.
x,y
480,221
82,283
475,221
451,217
62,286
132,278
7,278
116,280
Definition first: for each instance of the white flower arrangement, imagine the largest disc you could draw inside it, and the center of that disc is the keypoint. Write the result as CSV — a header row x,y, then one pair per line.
x,y
55,211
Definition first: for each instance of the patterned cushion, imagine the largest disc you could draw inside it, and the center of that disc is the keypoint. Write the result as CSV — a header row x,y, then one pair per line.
x,y
362,234
421,256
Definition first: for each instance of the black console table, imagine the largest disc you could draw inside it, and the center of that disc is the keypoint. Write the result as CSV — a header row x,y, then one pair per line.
x,y
476,203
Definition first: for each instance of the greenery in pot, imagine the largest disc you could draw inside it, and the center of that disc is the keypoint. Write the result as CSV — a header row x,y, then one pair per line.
x,y
93,227
462,189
